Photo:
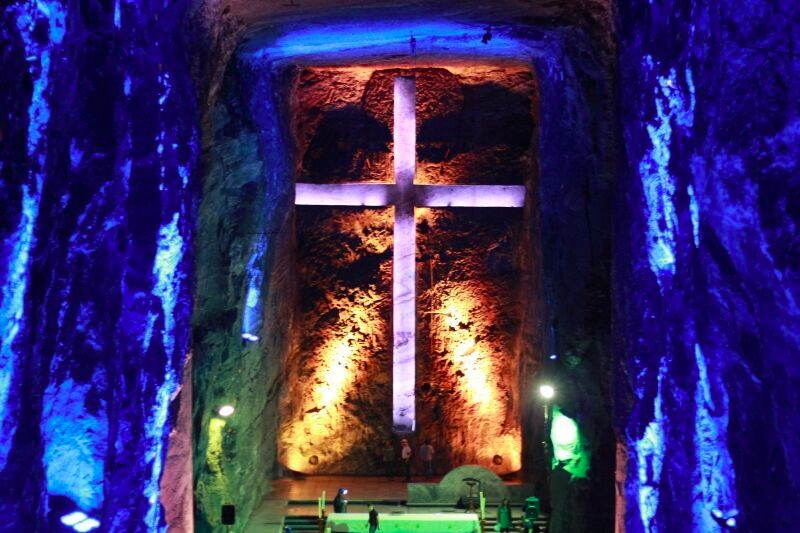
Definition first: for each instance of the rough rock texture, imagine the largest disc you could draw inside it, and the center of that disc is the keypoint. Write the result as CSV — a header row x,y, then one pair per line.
x,y
98,152
475,127
176,486
338,391
707,275
576,150
98,149
470,317
245,285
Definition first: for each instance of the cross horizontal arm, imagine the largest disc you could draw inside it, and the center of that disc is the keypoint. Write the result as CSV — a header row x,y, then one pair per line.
x,y
366,194
470,195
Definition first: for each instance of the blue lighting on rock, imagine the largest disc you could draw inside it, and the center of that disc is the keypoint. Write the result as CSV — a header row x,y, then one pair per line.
x,y
17,248
168,279
694,212
349,40
650,448
673,104
251,315
716,486
75,154
75,443
117,14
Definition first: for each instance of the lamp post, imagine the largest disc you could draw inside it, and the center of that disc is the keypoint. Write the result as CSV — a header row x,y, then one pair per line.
x,y
547,392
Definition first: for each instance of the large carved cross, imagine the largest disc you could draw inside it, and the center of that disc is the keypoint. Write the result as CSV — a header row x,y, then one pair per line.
x,y
404,195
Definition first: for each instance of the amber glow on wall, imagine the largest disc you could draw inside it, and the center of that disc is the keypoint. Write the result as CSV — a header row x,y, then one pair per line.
x,y
339,378
339,398
459,332
468,307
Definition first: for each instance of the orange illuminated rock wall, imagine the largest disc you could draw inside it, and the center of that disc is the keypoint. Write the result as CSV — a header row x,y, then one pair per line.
x,y
339,376
469,315
476,125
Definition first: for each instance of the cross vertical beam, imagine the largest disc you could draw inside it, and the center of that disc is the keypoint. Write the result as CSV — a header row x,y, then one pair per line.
x,y
404,265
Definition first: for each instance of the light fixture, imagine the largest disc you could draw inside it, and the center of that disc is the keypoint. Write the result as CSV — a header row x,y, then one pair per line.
x,y
226,410
553,357
80,522
87,525
73,518
250,337
725,519
547,391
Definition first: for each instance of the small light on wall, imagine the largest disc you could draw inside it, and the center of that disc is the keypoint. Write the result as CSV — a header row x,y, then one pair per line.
x,y
725,519
553,357
547,391
250,337
225,411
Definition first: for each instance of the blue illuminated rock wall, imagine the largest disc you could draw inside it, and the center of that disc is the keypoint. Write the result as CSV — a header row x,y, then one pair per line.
x,y
706,264
97,148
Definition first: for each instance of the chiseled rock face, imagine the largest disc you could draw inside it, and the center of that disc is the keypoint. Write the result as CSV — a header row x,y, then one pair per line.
x,y
245,288
98,149
707,265
97,154
476,126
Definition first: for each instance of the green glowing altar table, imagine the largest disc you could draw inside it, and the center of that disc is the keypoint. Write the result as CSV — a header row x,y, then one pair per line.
x,y
406,523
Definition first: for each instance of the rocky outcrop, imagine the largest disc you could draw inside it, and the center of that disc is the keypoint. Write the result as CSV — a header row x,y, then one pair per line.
x,y
706,275
98,160
99,148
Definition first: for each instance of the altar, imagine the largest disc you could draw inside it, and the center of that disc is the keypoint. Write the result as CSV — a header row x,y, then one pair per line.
x,y
405,523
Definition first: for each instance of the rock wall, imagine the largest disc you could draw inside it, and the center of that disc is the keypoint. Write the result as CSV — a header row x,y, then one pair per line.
x,y
98,144
706,272
476,126
577,147
338,392
243,316
98,148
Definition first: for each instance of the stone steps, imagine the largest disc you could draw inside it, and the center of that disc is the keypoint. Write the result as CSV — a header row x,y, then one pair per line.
x,y
309,523
300,523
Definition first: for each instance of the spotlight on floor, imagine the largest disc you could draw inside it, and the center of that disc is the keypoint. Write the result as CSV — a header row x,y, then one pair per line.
x,y
73,518
225,411
80,522
547,391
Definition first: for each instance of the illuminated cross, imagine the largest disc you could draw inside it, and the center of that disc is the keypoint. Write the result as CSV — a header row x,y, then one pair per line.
x,y
404,195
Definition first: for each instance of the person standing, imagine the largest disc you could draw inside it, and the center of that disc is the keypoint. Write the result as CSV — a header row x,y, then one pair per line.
x,y
388,458
504,518
405,455
373,519
339,502
426,456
